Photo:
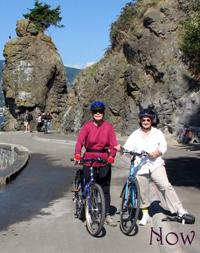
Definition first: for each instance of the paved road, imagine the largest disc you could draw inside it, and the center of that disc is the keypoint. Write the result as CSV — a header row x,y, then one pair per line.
x,y
36,210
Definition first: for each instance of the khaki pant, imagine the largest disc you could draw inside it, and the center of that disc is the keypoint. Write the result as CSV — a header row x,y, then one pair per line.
x,y
160,179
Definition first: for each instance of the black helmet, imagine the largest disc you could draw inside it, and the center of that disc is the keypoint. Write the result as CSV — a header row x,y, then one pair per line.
x,y
145,113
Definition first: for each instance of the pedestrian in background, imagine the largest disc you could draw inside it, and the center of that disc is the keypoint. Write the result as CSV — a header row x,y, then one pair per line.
x,y
27,121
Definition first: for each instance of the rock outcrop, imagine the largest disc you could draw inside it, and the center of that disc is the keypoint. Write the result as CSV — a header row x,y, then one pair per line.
x,y
33,77
144,65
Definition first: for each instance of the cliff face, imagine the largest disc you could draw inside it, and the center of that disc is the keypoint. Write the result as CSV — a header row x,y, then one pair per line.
x,y
143,66
33,77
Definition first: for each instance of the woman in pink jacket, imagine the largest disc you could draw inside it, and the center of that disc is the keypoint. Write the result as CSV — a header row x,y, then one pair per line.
x,y
98,138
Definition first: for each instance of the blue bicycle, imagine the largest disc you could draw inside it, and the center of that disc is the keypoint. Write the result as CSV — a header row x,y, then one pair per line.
x,y
89,199
130,204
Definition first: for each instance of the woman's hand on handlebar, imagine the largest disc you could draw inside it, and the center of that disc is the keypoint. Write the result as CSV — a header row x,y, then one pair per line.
x,y
155,154
110,159
77,158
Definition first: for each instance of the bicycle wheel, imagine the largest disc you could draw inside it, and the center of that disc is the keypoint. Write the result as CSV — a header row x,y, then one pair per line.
x,y
95,209
45,130
78,198
130,207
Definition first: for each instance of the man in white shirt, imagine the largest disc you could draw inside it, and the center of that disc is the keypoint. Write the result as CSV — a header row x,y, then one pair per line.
x,y
152,140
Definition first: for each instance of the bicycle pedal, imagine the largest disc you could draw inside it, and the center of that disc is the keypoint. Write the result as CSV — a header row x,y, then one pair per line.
x,y
75,190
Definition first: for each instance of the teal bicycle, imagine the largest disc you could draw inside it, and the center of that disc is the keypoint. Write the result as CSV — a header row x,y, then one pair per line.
x,y
130,203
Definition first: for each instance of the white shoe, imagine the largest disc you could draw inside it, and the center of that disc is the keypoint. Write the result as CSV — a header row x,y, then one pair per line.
x,y
145,219
109,221
185,217
182,212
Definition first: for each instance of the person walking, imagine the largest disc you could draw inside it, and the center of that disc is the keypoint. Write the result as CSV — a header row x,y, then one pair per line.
x,y
27,121
39,122
48,119
150,139
98,138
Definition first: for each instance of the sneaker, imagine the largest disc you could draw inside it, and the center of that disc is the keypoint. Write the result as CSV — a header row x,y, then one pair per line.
x,y
186,217
145,219
109,221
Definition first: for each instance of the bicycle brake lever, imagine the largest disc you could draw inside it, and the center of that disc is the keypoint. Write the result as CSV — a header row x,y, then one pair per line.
x,y
144,153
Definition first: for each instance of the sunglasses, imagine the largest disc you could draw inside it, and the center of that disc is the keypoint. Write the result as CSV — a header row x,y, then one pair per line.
x,y
98,111
146,120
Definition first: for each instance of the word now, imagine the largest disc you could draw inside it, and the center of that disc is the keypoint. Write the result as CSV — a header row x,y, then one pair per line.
x,y
171,238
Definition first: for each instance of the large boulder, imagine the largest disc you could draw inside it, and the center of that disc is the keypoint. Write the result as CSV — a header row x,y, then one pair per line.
x,y
33,77
144,65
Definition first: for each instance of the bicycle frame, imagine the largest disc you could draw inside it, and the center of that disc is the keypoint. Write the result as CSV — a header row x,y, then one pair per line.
x,y
86,186
130,195
132,174
130,180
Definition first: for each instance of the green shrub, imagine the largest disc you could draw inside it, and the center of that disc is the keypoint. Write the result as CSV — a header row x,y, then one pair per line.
x,y
191,41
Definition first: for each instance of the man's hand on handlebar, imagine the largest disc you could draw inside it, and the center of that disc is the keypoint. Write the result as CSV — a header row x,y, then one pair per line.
x,y
118,147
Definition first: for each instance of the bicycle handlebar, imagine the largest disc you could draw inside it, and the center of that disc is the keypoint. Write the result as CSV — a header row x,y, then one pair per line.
x,y
133,153
83,160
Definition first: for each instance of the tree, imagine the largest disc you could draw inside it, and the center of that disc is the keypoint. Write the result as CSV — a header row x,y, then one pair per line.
x,y
190,44
43,16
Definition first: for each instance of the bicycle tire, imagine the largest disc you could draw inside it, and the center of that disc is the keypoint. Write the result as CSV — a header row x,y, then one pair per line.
x,y
45,130
78,198
129,210
95,209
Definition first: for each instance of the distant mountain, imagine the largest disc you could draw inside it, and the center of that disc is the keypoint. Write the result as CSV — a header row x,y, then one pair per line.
x,y
1,93
71,73
1,68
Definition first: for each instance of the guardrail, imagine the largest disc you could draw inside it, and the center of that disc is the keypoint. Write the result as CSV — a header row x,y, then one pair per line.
x,y
13,158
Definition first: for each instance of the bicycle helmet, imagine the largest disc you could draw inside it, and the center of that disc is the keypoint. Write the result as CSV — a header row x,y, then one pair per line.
x,y
146,113
97,105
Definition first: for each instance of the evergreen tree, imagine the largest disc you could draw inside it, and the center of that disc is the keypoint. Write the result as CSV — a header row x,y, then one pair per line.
x,y
43,16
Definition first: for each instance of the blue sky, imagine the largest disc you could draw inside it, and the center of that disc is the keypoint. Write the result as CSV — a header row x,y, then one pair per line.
x,y
85,36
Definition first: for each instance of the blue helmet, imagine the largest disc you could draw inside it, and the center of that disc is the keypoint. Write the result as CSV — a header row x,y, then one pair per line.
x,y
97,105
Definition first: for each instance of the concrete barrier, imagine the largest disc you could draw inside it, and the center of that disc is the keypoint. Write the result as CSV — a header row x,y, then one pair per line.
x,y
13,158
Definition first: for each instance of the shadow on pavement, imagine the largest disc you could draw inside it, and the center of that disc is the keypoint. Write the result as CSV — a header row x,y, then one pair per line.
x,y
41,182
156,208
184,171
191,147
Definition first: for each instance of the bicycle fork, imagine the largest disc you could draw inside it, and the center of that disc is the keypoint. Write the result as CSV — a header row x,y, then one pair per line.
x,y
130,197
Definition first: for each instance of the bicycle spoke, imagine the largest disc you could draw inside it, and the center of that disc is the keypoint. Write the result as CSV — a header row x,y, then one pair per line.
x,y
95,210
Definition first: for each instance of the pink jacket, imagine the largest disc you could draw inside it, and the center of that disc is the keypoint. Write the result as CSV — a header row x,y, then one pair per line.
x,y
96,137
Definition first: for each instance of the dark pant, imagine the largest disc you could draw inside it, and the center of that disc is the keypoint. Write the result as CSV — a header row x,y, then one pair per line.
x,y
102,176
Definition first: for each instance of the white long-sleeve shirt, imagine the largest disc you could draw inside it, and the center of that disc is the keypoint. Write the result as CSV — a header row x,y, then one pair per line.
x,y
139,141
